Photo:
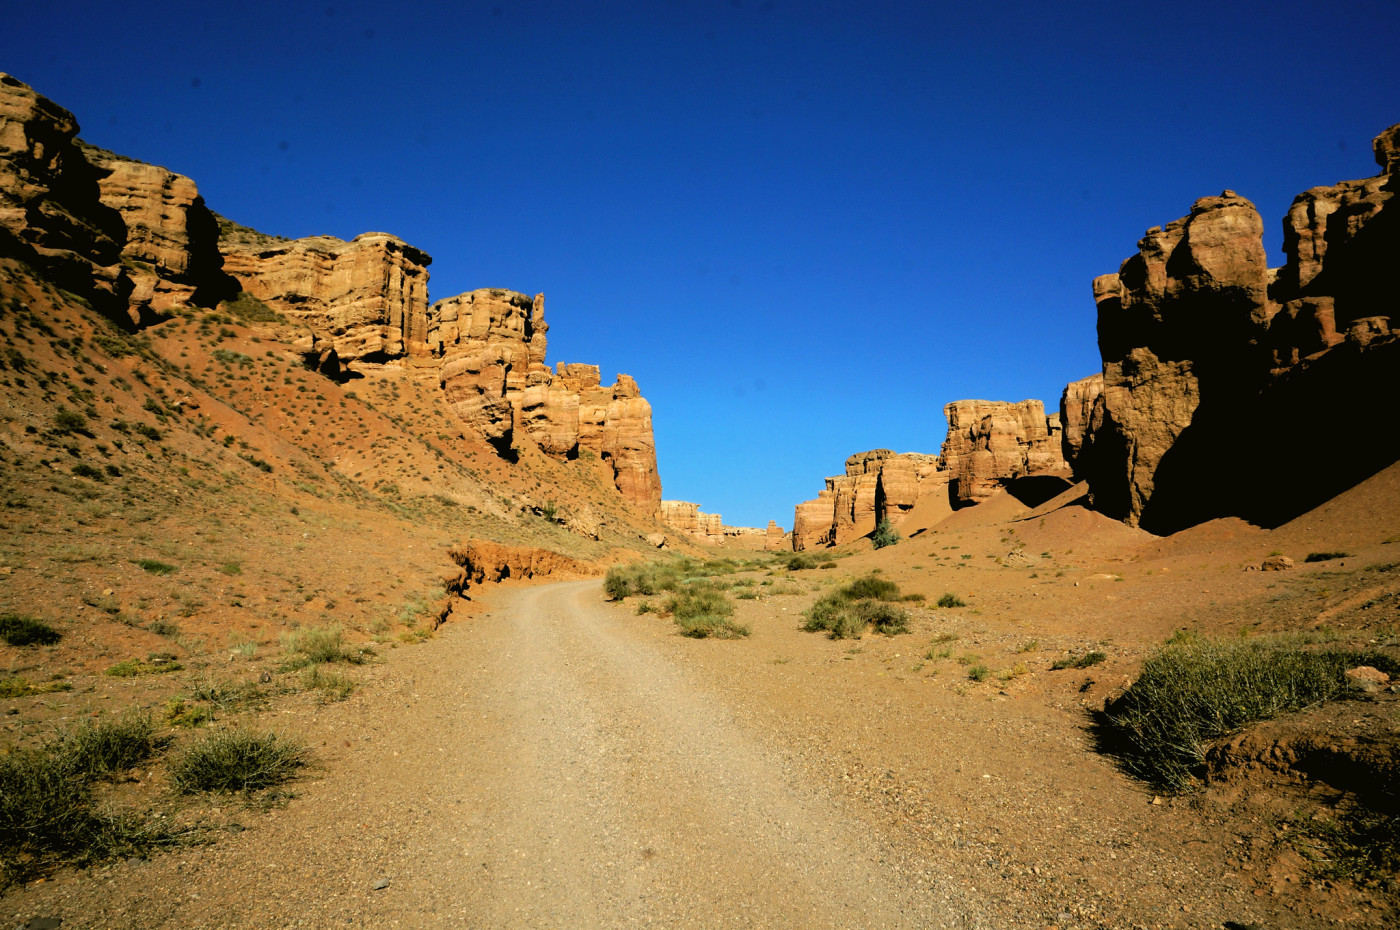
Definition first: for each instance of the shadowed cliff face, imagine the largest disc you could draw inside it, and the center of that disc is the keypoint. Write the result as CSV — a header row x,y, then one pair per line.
x,y
1232,389
51,214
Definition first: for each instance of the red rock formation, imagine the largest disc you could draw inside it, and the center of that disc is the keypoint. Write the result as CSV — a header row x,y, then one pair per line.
x,y
367,297
814,522
51,213
709,528
1077,405
775,539
904,480
172,239
993,442
1213,363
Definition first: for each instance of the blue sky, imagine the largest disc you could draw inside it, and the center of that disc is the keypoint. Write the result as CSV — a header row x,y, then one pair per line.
x,y
803,226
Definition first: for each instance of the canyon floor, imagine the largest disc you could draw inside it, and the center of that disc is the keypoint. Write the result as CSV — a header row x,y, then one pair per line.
x,y
553,759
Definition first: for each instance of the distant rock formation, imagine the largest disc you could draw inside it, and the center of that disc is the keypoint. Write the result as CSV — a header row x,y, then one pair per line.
x,y
1216,369
991,443
775,539
709,528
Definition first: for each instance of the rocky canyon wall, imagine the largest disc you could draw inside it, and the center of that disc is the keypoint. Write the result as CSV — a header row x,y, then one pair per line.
x,y
709,528
1223,378
138,242
990,446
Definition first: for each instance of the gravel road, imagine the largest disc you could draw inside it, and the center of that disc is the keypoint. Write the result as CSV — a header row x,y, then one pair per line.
x,y
542,766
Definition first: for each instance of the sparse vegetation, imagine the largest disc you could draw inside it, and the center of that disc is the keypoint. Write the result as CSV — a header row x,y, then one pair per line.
x,y
951,600
1093,657
847,611
1193,692
236,760
47,814
1325,556
701,609
315,645
884,535
19,630
154,566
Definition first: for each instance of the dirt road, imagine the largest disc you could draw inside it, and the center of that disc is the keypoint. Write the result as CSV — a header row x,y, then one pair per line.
x,y
543,766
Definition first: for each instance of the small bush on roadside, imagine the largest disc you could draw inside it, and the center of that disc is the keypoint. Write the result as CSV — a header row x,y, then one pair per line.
x,y
236,760
701,609
332,686
46,798
309,645
845,612
19,630
1191,693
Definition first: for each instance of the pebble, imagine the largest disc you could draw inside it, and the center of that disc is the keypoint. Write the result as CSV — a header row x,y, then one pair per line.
x,y
380,885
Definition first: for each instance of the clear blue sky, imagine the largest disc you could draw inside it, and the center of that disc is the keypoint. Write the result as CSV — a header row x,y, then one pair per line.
x,y
803,226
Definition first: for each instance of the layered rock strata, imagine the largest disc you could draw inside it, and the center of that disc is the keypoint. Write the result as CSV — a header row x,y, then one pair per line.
x,y
366,299
138,241
51,212
171,252
709,528
1081,415
991,443
1216,369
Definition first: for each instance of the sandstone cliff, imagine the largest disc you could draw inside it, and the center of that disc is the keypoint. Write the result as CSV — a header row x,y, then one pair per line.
x,y
366,299
172,239
137,241
1216,369
51,212
991,443
709,528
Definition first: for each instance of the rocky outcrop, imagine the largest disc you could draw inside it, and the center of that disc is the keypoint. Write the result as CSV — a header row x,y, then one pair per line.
x,y
686,517
1081,406
775,539
172,239
709,528
991,443
1215,368
814,522
877,485
904,480
367,298
51,213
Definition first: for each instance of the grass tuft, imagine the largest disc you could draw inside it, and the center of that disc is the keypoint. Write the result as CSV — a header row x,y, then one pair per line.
x,y
236,760
1191,693
847,611
18,630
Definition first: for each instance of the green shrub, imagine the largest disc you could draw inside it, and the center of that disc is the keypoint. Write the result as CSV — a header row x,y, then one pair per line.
x,y
951,600
309,645
236,760
845,612
164,628
46,798
884,535
18,630
710,625
69,421
84,470
977,672
696,600
1087,659
156,663
1191,693
332,686
154,566
102,748
799,561
1325,556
